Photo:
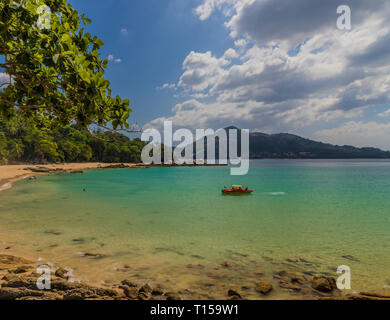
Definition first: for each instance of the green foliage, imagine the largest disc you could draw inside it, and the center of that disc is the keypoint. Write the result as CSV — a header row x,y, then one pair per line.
x,y
55,73
22,140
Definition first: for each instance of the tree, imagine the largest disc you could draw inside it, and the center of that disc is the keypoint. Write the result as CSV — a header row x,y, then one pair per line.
x,y
54,67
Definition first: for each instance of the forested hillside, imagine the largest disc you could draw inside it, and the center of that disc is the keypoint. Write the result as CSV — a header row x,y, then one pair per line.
x,y
23,140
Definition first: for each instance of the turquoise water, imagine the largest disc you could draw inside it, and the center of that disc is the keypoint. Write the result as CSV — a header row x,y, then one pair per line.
x,y
158,221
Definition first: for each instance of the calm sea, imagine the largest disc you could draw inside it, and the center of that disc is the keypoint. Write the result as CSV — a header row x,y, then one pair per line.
x,y
172,226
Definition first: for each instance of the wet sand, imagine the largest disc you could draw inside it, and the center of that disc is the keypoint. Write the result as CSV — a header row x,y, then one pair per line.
x,y
12,173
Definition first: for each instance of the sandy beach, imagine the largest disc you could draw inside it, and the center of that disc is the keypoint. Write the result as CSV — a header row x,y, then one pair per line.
x,y
12,173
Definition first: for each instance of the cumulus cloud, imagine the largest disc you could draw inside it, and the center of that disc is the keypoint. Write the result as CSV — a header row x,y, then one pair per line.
x,y
361,134
290,66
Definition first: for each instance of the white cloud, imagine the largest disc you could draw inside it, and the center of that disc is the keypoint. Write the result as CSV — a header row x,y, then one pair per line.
x,y
361,134
385,113
291,67
112,58
167,86
240,43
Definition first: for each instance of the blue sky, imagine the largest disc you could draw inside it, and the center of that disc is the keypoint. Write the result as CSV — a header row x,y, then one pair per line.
x,y
266,65
160,34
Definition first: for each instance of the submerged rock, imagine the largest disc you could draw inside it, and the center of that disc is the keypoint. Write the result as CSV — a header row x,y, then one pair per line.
x,y
172,296
234,294
259,272
225,264
131,292
145,288
129,283
264,287
351,258
94,255
61,273
324,284
377,294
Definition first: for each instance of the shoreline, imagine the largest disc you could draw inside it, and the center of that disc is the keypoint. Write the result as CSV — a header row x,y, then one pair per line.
x,y
9,174
19,278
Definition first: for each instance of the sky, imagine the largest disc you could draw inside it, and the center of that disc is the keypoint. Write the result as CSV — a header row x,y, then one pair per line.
x,y
265,65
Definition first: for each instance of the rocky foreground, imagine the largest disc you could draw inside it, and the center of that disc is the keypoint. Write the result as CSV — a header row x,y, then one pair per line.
x,y
19,282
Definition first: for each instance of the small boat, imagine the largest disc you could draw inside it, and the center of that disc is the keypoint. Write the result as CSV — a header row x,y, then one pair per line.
x,y
236,190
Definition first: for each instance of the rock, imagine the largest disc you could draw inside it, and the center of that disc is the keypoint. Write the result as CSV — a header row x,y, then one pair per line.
x,y
131,292
16,281
145,289
234,293
157,292
129,283
264,287
143,296
351,258
377,293
16,293
116,166
358,296
288,285
104,292
22,269
94,255
7,260
61,273
79,240
292,260
296,278
172,296
324,284
259,272
53,232
225,264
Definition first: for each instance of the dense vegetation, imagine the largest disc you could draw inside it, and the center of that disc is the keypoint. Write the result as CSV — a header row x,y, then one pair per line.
x,y
54,67
53,89
292,146
23,140
289,146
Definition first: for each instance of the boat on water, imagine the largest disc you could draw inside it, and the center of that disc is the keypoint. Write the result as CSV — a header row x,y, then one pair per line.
x,y
236,190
